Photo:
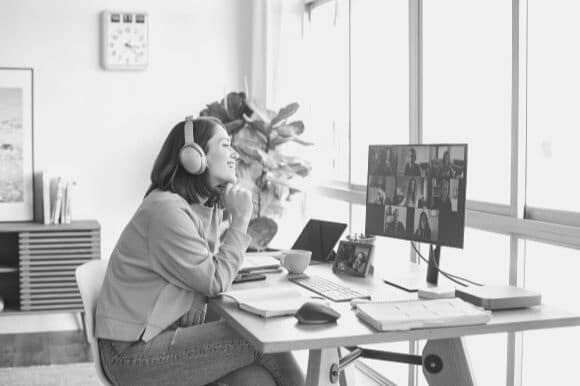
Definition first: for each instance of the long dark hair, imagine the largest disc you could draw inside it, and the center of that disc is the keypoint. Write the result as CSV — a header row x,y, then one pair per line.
x,y
169,175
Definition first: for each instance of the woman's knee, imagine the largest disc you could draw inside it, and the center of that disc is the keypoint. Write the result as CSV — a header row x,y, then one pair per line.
x,y
253,375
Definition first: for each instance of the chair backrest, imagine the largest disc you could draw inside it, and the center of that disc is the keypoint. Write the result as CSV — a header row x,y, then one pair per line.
x,y
90,278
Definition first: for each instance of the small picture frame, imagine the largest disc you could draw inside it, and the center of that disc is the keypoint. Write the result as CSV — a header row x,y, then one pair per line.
x,y
353,258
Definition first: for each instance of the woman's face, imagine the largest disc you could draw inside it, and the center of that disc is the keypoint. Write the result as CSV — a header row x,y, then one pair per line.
x,y
221,159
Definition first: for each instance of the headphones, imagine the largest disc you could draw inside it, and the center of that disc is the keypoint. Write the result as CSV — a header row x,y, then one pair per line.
x,y
191,156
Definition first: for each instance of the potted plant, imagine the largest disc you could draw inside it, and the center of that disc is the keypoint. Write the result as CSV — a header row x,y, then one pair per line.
x,y
258,135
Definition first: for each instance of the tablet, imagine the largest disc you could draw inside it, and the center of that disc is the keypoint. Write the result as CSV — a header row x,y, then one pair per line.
x,y
319,237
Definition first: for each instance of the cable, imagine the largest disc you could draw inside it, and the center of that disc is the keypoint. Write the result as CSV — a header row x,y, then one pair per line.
x,y
448,276
454,278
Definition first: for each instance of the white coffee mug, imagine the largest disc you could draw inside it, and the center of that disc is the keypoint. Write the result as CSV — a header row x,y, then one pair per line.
x,y
296,260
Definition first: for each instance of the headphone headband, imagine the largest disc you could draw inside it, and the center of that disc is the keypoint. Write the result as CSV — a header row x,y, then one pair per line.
x,y
188,130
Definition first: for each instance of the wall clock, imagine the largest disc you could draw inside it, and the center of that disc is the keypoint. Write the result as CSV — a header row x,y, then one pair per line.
x,y
124,40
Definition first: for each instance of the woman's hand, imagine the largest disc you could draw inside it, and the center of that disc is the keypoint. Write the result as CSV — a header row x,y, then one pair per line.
x,y
238,202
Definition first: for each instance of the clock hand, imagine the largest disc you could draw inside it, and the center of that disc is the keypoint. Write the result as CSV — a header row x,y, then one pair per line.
x,y
131,46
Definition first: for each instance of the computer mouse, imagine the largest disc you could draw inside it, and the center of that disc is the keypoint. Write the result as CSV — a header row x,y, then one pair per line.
x,y
316,313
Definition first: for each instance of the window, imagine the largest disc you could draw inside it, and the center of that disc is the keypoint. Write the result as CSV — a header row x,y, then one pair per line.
x,y
379,78
465,94
467,88
326,95
552,271
553,99
489,265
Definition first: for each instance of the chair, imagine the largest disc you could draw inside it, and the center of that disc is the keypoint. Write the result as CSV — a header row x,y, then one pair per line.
x,y
90,278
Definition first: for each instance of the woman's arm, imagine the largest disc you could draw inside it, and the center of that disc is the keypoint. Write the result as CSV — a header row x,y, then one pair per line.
x,y
179,253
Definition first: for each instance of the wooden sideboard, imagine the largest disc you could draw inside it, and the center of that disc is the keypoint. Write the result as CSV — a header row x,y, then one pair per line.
x,y
38,262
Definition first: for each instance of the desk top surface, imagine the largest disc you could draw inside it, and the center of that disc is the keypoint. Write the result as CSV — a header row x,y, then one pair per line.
x,y
284,333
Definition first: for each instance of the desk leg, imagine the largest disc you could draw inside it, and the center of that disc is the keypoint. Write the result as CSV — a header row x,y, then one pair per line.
x,y
320,364
445,362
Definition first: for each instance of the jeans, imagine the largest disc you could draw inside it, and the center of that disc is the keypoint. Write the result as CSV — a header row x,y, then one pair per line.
x,y
210,353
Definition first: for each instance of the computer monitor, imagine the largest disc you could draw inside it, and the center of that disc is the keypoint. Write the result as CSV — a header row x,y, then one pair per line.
x,y
417,192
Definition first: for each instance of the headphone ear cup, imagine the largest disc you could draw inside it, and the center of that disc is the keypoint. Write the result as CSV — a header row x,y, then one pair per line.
x,y
193,159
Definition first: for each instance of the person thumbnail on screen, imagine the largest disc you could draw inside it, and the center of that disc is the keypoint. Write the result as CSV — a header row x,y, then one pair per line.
x,y
395,221
411,192
426,224
381,190
414,161
445,194
382,161
448,161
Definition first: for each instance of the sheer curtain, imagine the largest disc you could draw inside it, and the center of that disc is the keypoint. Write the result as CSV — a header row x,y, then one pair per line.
x,y
277,57
276,78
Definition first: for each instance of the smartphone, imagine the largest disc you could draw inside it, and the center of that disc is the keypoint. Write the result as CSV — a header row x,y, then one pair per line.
x,y
244,277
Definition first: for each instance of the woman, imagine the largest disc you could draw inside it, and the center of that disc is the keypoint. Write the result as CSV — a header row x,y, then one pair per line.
x,y
411,197
423,231
443,203
447,168
150,317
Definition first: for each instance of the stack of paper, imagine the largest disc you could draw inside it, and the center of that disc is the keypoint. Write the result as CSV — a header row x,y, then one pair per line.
x,y
411,314
268,302
259,264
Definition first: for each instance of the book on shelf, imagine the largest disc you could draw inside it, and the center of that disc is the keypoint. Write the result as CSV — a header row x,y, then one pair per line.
x,y
52,198
413,314
42,197
269,302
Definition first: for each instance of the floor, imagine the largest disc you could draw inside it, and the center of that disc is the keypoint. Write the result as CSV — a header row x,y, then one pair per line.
x,y
47,348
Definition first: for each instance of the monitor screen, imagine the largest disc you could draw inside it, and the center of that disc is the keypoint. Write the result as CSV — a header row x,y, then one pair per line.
x,y
417,192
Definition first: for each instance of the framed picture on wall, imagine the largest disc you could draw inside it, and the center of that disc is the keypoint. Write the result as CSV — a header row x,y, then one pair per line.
x,y
16,144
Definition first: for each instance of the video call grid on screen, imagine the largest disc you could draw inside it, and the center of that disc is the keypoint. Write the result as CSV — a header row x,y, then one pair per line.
x,y
417,192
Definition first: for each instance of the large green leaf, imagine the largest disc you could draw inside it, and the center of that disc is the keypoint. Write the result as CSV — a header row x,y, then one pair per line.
x,y
285,113
235,105
267,160
277,140
216,110
291,129
260,127
248,141
302,142
234,126
259,113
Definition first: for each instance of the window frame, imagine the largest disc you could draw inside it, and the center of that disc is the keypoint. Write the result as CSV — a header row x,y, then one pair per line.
x,y
517,220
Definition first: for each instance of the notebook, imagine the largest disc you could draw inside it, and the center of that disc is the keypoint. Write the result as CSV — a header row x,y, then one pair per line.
x,y
258,262
413,314
269,302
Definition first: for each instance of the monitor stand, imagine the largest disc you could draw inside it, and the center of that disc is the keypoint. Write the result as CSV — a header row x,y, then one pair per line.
x,y
410,280
434,257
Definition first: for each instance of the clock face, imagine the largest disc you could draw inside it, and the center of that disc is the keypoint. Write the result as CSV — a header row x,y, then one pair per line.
x,y
124,40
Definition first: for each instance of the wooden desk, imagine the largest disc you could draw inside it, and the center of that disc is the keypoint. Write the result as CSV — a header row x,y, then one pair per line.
x,y
285,334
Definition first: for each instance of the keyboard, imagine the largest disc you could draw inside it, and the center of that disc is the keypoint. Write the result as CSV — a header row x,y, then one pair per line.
x,y
328,289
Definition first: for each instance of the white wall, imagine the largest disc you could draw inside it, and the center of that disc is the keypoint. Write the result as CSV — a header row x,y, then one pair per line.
x,y
105,128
